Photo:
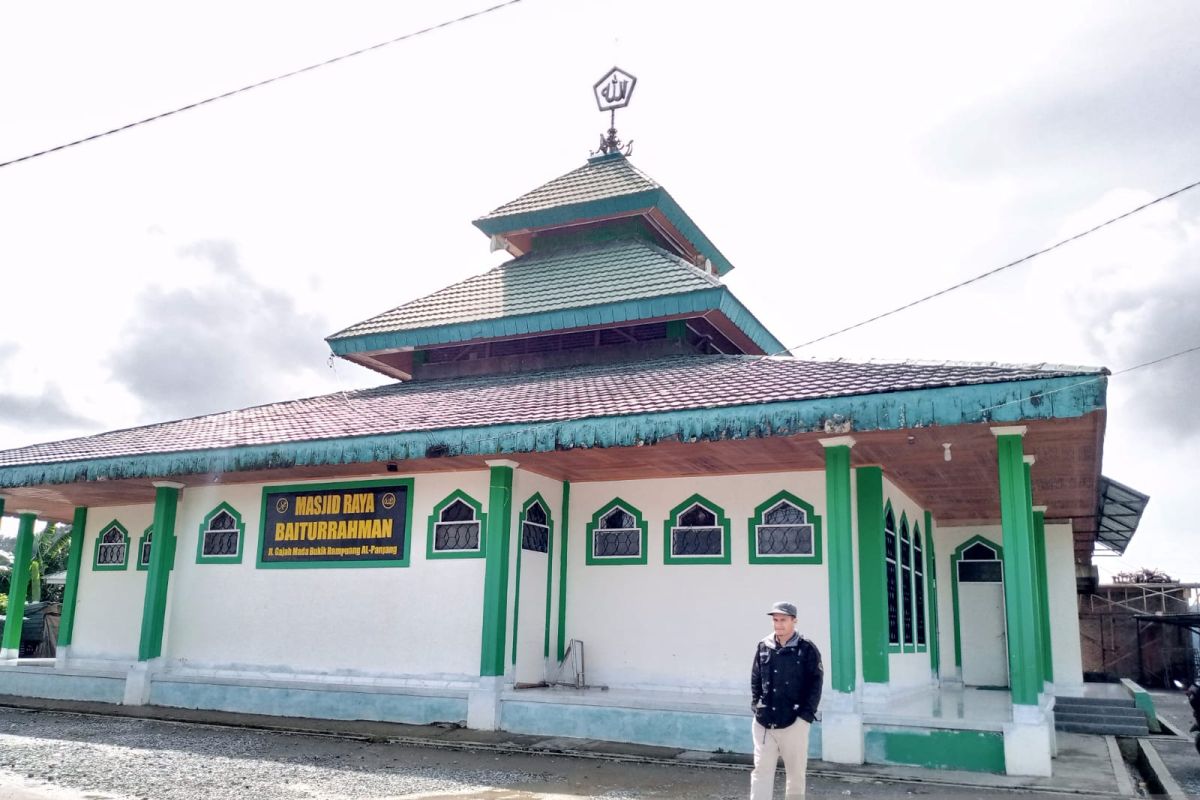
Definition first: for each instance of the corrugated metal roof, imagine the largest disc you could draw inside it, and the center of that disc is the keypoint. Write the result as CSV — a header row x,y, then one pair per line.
x,y
666,384
556,280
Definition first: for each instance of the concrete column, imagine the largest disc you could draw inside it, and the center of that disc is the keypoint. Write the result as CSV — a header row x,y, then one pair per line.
x,y
872,584
18,586
841,719
66,626
154,606
483,703
1035,586
1028,739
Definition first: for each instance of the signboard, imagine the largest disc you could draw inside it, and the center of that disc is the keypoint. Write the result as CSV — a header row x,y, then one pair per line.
x,y
353,524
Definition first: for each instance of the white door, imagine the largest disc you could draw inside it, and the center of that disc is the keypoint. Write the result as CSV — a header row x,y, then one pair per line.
x,y
532,574
982,634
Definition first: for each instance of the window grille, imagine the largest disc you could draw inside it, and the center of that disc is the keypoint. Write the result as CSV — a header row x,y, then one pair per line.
x,y
535,529
112,547
456,528
785,530
893,583
906,585
222,536
919,580
697,533
617,536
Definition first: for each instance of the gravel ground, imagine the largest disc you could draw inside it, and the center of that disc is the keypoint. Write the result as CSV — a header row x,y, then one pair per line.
x,y
59,756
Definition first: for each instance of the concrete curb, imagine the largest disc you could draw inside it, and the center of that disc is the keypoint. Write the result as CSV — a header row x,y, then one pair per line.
x,y
1124,781
448,737
1158,777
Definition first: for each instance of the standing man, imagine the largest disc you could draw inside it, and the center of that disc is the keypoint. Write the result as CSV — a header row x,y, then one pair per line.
x,y
785,686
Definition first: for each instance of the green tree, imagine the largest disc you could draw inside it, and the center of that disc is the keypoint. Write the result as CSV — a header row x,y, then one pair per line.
x,y
51,546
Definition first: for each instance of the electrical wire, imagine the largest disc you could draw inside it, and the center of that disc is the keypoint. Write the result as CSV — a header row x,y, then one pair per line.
x,y
983,412
264,82
991,272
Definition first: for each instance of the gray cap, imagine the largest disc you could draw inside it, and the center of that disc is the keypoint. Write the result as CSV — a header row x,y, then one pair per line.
x,y
783,608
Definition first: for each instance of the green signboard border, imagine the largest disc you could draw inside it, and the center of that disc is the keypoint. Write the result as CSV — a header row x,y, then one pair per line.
x,y
313,487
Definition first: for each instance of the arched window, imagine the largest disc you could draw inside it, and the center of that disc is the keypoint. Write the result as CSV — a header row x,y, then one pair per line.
x,y
112,547
784,530
919,584
221,535
696,532
456,528
535,529
616,535
144,545
906,580
890,550
980,563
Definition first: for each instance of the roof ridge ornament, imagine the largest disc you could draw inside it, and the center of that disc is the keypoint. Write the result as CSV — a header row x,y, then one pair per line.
x,y
613,91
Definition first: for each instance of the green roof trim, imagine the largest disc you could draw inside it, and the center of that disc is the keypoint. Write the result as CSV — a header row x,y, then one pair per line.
x,y
1009,401
610,206
717,298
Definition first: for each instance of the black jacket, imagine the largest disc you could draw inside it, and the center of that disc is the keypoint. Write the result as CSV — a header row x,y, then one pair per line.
x,y
785,682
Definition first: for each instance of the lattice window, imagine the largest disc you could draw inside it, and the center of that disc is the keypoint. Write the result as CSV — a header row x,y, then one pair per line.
x,y
456,529
697,532
535,529
784,530
617,536
221,538
890,547
919,581
112,547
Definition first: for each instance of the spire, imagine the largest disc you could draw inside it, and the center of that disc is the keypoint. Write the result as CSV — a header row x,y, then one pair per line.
x,y
613,91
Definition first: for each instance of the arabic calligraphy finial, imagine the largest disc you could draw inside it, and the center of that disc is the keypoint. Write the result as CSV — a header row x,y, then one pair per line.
x,y
613,91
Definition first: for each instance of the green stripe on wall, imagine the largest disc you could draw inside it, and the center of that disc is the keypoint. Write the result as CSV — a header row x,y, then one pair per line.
x,y
1039,552
562,570
931,602
972,751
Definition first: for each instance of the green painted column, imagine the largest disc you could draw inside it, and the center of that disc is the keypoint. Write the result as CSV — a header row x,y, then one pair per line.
x,y
931,599
562,570
495,580
18,585
1038,592
1019,606
839,535
162,553
872,575
66,626
1039,554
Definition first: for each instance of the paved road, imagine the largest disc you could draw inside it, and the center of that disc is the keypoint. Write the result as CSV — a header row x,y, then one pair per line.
x,y
53,756
1180,755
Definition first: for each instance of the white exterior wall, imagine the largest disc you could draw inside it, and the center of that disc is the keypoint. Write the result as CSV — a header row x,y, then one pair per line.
x,y
108,612
420,623
1064,606
688,626
910,668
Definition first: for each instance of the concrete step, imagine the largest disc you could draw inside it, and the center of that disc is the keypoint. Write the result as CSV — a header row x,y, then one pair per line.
x,y
1085,719
1095,701
1101,728
1098,713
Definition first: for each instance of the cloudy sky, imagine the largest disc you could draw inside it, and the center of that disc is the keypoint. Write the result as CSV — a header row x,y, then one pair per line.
x,y
847,158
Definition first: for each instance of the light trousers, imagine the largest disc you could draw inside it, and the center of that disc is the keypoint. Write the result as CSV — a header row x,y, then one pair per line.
x,y
771,743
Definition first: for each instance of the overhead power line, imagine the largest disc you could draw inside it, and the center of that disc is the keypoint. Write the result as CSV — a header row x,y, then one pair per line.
x,y
991,272
264,82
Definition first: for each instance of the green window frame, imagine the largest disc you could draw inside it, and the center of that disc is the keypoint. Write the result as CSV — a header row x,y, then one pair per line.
x,y
672,527
906,585
891,557
435,519
811,519
919,604
144,548
111,564
640,528
206,527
